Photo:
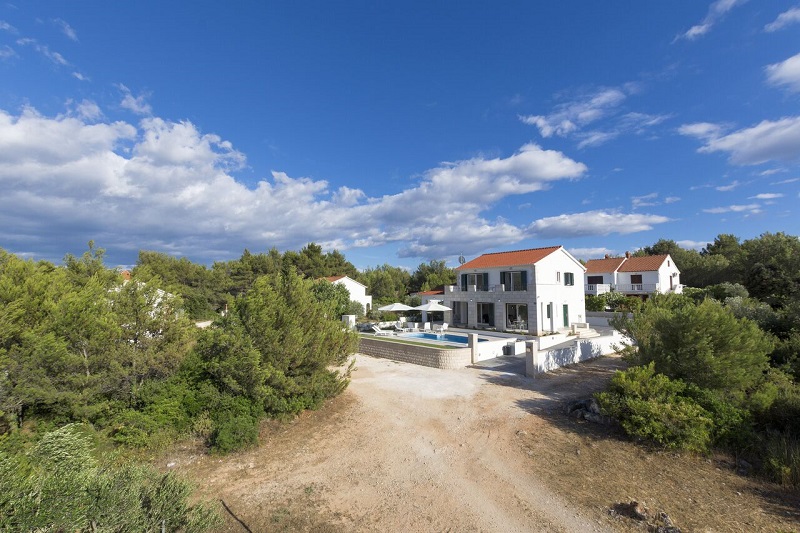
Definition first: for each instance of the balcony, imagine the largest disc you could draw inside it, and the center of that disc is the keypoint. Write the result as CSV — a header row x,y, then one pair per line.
x,y
637,288
480,288
596,289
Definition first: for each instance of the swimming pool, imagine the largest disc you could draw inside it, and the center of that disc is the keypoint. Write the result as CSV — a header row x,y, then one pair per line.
x,y
444,337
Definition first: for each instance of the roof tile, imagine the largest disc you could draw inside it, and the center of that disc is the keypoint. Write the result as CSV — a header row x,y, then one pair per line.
x,y
503,259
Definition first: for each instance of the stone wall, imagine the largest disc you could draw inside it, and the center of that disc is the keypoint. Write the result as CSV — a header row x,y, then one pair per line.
x,y
418,355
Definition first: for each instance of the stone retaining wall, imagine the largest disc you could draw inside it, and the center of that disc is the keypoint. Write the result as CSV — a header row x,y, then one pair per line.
x,y
418,355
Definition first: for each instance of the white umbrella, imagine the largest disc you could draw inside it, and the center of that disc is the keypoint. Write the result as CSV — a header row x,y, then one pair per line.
x,y
395,307
433,305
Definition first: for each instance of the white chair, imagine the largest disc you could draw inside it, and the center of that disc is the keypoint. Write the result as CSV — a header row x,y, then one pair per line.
x,y
441,329
426,326
378,331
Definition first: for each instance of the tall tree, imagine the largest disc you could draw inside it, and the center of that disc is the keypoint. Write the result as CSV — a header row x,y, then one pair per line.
x,y
431,275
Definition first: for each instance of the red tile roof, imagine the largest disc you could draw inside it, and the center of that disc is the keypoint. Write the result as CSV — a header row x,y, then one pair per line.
x,y
599,266
334,278
504,259
430,293
647,263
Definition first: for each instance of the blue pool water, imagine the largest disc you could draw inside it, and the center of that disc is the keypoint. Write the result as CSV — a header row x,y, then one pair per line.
x,y
448,337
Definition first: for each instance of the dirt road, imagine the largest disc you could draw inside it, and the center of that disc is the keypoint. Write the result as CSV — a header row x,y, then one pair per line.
x,y
409,448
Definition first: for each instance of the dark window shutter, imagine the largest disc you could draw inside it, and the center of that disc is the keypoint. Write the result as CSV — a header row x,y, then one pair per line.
x,y
524,277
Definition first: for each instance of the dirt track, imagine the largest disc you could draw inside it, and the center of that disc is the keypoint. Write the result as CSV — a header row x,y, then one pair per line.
x,y
418,449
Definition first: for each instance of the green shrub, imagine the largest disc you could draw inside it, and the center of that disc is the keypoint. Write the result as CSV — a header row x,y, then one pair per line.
x,y
780,453
60,486
595,303
649,406
235,424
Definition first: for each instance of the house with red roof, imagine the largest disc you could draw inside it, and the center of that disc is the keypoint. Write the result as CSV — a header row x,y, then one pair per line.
x,y
536,291
633,276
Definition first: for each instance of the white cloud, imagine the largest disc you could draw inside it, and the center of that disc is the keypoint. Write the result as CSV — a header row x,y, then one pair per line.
x,y
55,57
766,196
590,253
165,185
570,118
647,200
671,199
715,12
66,29
751,208
766,141
5,26
6,52
792,16
784,182
594,223
692,245
79,76
729,187
137,104
785,73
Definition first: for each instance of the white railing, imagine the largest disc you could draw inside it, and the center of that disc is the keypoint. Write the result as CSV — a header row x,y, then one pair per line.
x,y
637,288
480,288
597,288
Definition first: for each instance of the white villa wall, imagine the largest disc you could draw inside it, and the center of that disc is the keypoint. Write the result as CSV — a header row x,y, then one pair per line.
x,y
539,361
358,292
550,289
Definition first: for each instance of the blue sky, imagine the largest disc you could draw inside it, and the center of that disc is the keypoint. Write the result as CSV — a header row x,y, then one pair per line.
x,y
395,132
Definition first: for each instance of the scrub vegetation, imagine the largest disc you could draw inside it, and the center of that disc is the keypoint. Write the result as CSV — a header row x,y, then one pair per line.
x,y
717,368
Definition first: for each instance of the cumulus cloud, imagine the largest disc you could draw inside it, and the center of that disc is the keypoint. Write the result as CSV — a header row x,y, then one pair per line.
x,y
590,253
716,11
594,223
787,18
692,245
766,141
785,73
167,186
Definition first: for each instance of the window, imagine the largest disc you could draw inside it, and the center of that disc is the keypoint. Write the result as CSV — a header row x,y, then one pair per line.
x,y
481,281
595,280
569,278
549,310
636,279
558,277
514,281
517,316
486,314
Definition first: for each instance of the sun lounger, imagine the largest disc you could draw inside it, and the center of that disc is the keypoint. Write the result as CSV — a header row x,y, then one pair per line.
x,y
378,331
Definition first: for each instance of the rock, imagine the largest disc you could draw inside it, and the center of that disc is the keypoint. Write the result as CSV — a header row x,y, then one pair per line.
x,y
592,406
633,509
596,418
743,468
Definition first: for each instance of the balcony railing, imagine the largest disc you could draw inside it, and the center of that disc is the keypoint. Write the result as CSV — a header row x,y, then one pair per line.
x,y
481,288
637,288
598,288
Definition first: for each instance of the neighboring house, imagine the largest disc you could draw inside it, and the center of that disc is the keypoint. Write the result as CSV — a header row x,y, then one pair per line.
x,y
427,296
358,292
538,291
633,276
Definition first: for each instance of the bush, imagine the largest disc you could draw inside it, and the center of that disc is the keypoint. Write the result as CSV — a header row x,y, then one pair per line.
x,y
650,406
235,424
595,303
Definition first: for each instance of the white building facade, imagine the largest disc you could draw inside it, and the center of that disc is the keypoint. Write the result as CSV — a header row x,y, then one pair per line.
x,y
534,291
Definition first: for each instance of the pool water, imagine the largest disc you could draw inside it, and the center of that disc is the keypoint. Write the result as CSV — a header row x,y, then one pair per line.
x,y
447,337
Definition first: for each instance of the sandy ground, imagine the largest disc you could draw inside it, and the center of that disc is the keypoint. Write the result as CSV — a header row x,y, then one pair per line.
x,y
409,448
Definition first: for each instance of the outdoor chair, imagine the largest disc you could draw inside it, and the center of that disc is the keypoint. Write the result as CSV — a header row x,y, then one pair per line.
x,y
426,326
378,331
441,329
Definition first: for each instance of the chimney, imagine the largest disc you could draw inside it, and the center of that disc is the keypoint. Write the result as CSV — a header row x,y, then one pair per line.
x,y
627,255
607,256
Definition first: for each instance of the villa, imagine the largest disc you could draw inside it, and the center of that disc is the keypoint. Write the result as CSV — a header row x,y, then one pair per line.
x,y
358,291
633,276
531,291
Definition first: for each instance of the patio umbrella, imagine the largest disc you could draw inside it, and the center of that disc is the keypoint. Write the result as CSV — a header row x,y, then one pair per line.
x,y
433,305
395,307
